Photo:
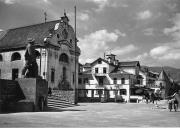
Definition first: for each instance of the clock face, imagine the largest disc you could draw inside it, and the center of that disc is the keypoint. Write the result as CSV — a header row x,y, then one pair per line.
x,y
65,34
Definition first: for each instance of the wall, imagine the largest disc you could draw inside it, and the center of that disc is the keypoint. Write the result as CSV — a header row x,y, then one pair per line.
x,y
144,81
7,65
65,95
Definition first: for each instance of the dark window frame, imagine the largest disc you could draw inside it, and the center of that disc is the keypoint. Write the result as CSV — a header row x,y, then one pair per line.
x,y
15,56
122,80
52,75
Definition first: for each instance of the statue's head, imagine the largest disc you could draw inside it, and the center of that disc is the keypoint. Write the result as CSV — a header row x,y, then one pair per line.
x,y
30,41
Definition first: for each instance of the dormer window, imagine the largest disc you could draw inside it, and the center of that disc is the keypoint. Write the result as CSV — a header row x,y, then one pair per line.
x,y
99,62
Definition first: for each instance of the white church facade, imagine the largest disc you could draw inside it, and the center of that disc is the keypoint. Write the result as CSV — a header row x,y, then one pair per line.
x,y
57,52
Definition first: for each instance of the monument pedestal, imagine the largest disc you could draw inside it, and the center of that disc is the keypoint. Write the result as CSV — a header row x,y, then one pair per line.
x,y
35,90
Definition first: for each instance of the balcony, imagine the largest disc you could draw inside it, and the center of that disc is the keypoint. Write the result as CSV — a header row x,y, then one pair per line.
x,y
100,74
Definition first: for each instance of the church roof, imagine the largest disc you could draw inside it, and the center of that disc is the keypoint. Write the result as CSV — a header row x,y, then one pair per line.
x,y
16,38
163,77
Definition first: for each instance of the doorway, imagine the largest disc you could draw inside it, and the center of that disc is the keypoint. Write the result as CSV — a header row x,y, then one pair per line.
x,y
15,73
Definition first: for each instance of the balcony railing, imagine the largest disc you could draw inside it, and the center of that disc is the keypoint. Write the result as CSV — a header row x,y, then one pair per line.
x,y
100,74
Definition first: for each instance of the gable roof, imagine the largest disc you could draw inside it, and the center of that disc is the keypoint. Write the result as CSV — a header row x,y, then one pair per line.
x,y
163,77
100,59
17,37
129,64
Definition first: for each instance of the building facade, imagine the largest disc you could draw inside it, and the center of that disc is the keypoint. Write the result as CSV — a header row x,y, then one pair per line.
x,y
56,56
108,79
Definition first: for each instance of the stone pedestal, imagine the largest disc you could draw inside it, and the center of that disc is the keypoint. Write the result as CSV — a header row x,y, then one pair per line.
x,y
35,90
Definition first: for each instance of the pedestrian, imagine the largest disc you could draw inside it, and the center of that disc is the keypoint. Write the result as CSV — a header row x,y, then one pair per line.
x,y
170,104
152,97
49,91
175,104
146,94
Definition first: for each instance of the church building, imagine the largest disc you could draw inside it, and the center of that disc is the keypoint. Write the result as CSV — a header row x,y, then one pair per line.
x,y
56,56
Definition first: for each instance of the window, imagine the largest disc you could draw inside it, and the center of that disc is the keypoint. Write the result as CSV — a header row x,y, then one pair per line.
x,y
1,58
122,80
15,56
85,80
104,70
38,55
15,72
101,81
52,75
96,70
64,73
139,81
99,62
115,80
80,81
63,58
58,36
123,92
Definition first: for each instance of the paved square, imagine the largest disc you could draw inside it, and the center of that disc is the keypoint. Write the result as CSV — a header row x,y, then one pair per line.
x,y
96,115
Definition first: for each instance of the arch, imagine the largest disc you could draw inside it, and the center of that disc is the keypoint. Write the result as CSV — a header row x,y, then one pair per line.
x,y
15,56
1,57
64,58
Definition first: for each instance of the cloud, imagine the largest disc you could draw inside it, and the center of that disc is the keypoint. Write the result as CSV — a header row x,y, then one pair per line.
x,y
149,31
107,3
83,16
144,15
158,51
9,1
95,43
101,3
120,33
168,51
174,31
124,50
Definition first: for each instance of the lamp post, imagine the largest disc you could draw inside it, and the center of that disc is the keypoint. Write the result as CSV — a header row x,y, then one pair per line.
x,y
75,41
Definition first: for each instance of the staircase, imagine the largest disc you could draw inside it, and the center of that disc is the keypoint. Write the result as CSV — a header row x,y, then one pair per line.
x,y
54,102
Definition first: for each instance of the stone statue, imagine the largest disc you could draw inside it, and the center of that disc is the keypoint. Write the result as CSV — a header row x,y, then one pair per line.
x,y
30,69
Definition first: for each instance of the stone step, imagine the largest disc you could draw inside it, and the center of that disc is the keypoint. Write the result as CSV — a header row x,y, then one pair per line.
x,y
60,105
54,97
56,102
59,101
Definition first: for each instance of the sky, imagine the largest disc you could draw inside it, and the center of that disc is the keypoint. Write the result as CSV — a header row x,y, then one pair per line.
x,y
134,30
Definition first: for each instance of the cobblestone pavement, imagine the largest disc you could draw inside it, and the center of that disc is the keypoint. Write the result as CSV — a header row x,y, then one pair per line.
x,y
96,115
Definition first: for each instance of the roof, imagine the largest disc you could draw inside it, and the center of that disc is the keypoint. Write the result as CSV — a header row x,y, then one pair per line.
x,y
129,64
119,73
16,37
87,65
102,60
163,77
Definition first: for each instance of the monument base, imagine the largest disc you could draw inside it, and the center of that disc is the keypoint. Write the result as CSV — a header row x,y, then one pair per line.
x,y
35,90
